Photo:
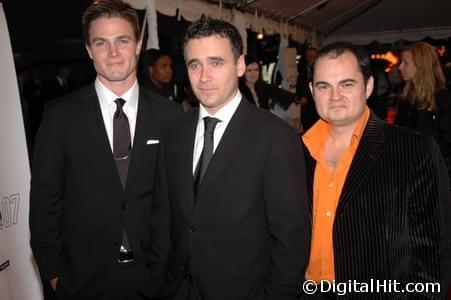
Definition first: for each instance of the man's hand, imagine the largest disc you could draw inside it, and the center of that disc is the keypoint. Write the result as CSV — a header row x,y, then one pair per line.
x,y
53,283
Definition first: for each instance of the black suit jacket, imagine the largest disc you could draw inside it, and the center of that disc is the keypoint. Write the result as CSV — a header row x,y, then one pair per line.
x,y
392,219
246,234
77,204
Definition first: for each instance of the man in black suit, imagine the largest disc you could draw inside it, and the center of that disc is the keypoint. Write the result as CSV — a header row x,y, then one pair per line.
x,y
93,169
157,74
239,225
59,85
380,201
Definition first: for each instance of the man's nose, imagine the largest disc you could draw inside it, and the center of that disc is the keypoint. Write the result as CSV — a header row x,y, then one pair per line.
x,y
204,74
113,50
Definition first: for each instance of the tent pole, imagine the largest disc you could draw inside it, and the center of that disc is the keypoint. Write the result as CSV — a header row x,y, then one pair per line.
x,y
303,12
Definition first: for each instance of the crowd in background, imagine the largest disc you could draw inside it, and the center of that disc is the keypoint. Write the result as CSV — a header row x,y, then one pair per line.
x,y
393,99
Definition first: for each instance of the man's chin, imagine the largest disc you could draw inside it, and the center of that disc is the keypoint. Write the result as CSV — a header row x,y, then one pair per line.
x,y
207,104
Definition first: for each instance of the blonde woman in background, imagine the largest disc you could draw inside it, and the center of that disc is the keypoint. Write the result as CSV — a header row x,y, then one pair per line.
x,y
425,103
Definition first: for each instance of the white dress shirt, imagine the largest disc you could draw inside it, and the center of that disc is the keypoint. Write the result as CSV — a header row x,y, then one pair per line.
x,y
108,107
224,115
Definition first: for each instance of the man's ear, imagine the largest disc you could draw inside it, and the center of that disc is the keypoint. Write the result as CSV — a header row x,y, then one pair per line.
x,y
138,47
369,86
310,85
89,51
241,66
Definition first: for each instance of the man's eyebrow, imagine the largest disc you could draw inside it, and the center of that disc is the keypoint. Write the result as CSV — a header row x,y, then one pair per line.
x,y
210,58
215,58
192,61
349,80
321,82
125,36
96,39
116,38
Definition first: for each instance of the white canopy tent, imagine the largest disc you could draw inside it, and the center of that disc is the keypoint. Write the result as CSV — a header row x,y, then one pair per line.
x,y
322,21
192,10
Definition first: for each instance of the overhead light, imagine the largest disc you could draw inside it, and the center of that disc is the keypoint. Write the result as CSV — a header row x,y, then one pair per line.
x,y
387,56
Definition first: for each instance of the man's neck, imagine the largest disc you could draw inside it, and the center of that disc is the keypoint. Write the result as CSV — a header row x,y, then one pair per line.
x,y
338,141
118,88
343,134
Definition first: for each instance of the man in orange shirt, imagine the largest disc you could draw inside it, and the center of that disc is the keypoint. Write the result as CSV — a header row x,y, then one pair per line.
x,y
380,200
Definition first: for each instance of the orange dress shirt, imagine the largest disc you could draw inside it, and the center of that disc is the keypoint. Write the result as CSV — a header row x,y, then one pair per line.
x,y
327,188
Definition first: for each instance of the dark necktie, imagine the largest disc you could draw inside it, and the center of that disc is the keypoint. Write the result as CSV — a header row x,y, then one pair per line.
x,y
207,151
121,141
121,150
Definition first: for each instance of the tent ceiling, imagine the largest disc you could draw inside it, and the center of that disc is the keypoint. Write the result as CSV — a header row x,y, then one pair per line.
x,y
335,18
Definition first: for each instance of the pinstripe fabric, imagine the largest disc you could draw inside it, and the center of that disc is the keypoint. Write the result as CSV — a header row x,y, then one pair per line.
x,y
393,215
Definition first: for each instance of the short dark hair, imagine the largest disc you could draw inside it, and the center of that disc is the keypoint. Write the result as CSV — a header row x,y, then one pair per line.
x,y
149,58
109,8
206,27
338,48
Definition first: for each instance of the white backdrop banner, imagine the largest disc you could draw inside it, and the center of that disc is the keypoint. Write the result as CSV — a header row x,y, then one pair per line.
x,y
19,279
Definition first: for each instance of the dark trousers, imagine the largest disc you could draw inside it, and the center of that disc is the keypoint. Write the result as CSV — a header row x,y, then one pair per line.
x,y
182,287
126,281
123,284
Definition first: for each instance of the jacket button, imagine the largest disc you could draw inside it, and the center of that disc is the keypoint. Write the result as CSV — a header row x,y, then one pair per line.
x,y
193,228
124,206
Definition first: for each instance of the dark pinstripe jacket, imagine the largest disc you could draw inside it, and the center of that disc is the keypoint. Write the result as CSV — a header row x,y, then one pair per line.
x,y
392,219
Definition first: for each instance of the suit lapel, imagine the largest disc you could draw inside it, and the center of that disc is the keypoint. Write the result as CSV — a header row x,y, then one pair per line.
x,y
93,115
144,121
97,137
310,165
185,150
227,149
364,159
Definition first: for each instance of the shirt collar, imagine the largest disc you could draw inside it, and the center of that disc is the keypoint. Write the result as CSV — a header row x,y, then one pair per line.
x,y
315,138
107,97
225,113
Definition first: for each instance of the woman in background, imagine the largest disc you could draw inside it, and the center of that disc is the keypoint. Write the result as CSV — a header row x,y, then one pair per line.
x,y
259,92
425,103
